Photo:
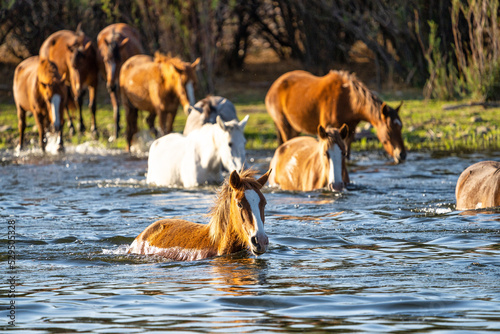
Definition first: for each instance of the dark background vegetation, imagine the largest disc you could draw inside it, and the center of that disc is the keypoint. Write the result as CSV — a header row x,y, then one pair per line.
x,y
447,47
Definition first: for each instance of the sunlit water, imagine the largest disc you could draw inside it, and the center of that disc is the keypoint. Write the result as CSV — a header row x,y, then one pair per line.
x,y
390,254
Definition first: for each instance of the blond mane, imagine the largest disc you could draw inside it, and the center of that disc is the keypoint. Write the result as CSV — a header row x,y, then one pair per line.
x,y
162,58
360,97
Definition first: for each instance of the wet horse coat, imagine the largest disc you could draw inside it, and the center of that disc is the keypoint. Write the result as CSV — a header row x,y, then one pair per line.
x,y
479,186
236,224
116,43
39,88
198,158
75,57
299,101
156,85
207,110
305,164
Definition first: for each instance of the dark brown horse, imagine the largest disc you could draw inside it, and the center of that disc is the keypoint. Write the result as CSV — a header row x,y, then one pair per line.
x,y
156,85
116,43
479,186
299,101
39,88
237,223
76,58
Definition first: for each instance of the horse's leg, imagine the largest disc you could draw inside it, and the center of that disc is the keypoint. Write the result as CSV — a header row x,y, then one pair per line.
x,y
131,114
92,108
116,110
350,138
39,119
70,105
345,173
151,123
21,124
170,121
79,102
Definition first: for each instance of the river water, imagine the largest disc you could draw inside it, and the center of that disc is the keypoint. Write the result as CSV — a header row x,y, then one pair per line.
x,y
390,254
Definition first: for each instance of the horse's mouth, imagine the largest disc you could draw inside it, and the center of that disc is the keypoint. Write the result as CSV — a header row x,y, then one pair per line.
x,y
256,252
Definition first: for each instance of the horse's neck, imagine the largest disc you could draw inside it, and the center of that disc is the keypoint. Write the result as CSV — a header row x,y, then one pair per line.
x,y
228,241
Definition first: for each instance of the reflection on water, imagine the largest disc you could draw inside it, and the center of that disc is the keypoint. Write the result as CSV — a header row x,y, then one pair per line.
x,y
390,254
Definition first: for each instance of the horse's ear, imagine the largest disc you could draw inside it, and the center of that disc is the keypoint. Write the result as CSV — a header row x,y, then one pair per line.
x,y
322,132
220,122
344,131
243,122
263,179
88,46
400,105
79,28
235,180
124,42
196,63
384,111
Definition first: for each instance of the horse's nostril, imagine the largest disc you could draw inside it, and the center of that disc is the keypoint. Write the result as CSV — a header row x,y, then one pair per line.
x,y
254,240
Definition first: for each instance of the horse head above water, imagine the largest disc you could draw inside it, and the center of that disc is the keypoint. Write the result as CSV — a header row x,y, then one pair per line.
x,y
236,224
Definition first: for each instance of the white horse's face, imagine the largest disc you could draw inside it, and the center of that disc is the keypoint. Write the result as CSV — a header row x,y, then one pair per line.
x,y
232,142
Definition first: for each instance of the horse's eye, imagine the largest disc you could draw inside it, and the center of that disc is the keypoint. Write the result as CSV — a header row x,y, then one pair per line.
x,y
240,205
230,144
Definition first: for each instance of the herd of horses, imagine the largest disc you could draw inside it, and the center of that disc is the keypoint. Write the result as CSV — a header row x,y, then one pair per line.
x,y
331,106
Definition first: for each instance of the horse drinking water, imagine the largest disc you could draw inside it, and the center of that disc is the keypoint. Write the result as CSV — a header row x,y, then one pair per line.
x,y
198,158
39,88
236,224
299,101
115,44
157,85
304,163
479,186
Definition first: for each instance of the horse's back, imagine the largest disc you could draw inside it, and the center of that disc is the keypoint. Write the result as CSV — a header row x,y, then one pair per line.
x,y
479,186
136,75
164,159
218,105
24,81
55,48
134,44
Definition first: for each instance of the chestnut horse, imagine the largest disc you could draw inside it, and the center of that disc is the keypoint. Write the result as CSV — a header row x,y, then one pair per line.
x,y
39,88
304,163
479,186
157,85
116,43
236,224
299,101
75,57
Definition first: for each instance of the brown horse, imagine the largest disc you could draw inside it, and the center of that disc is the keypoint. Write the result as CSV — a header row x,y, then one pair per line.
x,y
157,85
299,101
479,186
116,43
39,88
75,57
236,224
304,163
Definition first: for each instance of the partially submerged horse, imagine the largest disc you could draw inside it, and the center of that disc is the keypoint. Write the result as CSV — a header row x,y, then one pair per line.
x,y
198,158
236,224
75,57
304,163
116,43
207,110
156,85
479,186
299,101
39,88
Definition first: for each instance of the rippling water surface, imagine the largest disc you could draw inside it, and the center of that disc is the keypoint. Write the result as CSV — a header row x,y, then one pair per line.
x,y
390,254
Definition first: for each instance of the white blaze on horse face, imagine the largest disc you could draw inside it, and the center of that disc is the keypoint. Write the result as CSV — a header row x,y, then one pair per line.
x,y
190,92
335,170
258,233
55,105
398,122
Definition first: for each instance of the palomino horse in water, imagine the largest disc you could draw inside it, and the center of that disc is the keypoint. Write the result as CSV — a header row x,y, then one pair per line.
x,y
479,186
75,57
157,85
299,101
116,43
207,110
304,163
236,224
39,88
198,158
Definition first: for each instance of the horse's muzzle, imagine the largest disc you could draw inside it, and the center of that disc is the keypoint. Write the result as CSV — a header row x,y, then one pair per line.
x,y
259,244
338,186
399,156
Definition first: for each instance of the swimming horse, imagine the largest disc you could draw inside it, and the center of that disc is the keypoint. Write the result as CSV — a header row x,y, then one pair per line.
x,y
198,158
479,186
156,85
236,224
75,57
207,110
39,88
299,101
304,163
115,44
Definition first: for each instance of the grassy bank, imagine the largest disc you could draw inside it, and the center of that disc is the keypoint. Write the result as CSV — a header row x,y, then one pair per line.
x,y
426,127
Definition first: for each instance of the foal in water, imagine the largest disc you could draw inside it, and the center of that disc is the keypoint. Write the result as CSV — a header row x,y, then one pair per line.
x,y
304,163
236,224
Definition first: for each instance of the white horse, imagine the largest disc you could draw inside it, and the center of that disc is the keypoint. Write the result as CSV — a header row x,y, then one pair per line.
x,y
207,110
198,158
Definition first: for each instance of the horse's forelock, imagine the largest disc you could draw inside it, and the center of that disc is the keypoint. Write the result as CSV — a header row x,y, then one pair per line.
x,y
47,72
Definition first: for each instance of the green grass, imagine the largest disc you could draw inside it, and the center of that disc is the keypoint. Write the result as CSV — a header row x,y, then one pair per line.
x,y
426,127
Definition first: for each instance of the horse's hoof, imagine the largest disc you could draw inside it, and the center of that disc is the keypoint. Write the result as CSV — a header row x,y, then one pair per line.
x,y
60,149
95,135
